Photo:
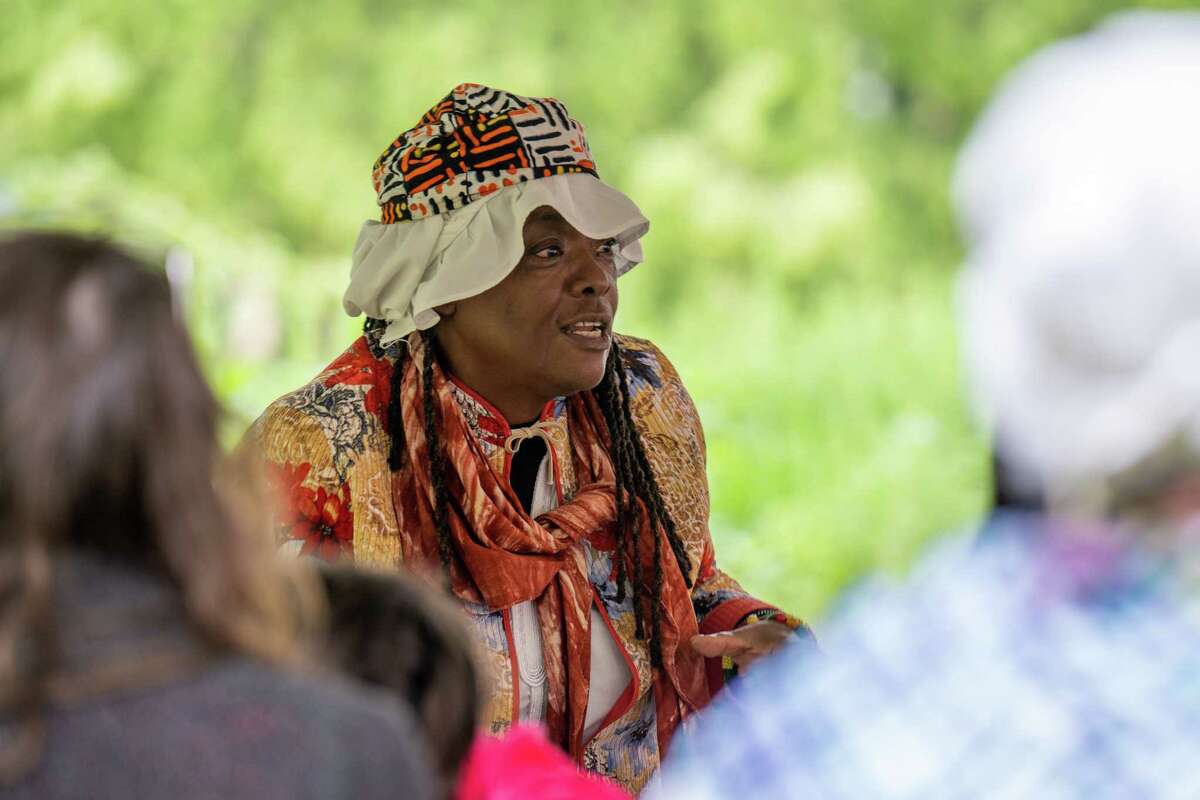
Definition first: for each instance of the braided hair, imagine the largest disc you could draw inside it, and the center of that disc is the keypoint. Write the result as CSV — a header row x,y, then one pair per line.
x,y
635,483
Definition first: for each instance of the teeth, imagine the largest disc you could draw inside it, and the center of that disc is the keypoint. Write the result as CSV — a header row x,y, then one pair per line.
x,y
592,330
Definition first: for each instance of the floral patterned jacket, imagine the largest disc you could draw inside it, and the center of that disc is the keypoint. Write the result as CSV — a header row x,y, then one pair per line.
x,y
326,445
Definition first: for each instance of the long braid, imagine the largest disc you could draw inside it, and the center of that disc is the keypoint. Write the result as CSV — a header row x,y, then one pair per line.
x,y
629,528
396,450
371,327
630,477
437,458
635,478
397,453
659,518
647,486
395,421
610,406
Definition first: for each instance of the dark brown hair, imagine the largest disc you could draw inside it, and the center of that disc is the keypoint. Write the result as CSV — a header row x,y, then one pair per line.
x,y
391,631
109,445
635,481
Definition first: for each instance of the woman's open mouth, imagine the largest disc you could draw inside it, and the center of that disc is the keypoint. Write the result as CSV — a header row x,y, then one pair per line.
x,y
591,334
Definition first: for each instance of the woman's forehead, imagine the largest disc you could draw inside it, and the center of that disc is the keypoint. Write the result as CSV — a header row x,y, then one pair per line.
x,y
547,219
545,215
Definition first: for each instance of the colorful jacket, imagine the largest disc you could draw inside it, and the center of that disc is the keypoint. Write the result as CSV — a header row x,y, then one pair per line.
x,y
326,445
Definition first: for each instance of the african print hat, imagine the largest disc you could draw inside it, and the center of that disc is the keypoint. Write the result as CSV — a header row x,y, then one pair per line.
x,y
454,193
475,141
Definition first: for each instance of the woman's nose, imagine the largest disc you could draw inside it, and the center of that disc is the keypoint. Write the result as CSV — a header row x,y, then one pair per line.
x,y
593,274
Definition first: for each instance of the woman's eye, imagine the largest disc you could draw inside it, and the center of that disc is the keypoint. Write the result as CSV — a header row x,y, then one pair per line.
x,y
548,251
609,247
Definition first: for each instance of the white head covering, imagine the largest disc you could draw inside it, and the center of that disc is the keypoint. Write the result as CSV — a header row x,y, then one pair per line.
x,y
403,270
1079,192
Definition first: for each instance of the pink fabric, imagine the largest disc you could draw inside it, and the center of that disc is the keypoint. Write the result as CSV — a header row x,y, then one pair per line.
x,y
523,765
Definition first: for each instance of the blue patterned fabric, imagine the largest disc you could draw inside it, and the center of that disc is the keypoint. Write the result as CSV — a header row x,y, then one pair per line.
x,y
1027,662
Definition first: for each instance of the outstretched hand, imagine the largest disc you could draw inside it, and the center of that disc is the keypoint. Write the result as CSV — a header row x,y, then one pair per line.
x,y
744,645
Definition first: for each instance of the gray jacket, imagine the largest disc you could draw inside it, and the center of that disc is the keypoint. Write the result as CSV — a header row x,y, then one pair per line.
x,y
214,726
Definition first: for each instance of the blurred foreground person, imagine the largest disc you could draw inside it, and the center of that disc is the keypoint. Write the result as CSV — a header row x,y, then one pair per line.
x,y
148,644
492,433
392,632
1054,655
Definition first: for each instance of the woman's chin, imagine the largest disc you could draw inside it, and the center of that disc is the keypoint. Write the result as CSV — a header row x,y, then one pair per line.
x,y
582,376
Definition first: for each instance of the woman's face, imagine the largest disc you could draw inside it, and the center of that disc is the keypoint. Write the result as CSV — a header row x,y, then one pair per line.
x,y
542,332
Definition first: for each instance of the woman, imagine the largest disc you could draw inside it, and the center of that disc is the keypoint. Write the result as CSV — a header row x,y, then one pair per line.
x,y
490,430
148,645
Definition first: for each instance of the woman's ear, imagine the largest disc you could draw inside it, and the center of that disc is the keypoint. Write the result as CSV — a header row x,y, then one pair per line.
x,y
446,310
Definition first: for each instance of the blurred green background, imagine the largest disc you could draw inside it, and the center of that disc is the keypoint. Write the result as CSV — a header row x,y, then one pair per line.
x,y
793,158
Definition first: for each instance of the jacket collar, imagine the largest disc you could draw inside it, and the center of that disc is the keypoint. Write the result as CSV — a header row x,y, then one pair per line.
x,y
486,421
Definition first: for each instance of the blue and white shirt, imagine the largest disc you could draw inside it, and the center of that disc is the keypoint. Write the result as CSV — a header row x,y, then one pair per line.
x,y
1030,662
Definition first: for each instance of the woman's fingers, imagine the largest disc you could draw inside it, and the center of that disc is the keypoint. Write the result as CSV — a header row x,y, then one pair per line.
x,y
715,645
745,645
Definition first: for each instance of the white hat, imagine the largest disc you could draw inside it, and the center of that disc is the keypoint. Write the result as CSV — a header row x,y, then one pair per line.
x,y
403,270
1079,193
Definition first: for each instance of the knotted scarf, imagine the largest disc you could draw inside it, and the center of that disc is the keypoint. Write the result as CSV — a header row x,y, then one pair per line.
x,y
501,556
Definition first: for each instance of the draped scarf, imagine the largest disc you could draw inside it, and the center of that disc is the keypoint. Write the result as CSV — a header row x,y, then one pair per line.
x,y
501,556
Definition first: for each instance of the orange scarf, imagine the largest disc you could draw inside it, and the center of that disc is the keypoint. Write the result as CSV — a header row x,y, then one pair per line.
x,y
501,556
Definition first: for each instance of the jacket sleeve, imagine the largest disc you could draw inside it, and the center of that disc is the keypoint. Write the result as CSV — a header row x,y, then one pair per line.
x,y
323,451
312,509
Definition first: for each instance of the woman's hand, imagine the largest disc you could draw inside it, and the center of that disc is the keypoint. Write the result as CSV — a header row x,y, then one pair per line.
x,y
744,645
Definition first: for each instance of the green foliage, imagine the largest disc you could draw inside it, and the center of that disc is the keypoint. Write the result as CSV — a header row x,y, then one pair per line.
x,y
793,158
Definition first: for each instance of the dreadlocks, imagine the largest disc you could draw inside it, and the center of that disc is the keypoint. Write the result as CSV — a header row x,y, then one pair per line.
x,y
399,352
437,457
635,483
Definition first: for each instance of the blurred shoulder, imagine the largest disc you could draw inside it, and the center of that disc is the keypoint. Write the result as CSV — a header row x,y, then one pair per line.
x,y
1038,637
367,737
316,694
238,728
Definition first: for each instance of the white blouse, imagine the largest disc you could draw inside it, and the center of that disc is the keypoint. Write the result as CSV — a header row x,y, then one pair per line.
x,y
609,672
